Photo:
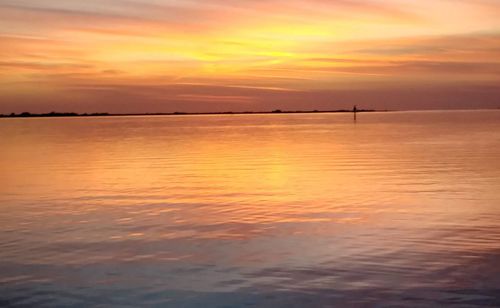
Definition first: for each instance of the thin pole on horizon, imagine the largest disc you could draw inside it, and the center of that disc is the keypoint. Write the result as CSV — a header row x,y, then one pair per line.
x,y
355,111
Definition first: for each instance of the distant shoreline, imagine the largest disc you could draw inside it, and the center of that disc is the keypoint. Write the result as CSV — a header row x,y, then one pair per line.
x,y
74,114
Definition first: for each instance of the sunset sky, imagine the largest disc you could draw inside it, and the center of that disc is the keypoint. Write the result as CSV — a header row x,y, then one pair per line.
x,y
126,56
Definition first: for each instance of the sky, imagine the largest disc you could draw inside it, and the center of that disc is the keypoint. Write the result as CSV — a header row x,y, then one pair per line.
x,y
134,56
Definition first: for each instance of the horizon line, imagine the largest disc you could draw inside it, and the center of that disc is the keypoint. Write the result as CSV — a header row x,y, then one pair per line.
x,y
26,114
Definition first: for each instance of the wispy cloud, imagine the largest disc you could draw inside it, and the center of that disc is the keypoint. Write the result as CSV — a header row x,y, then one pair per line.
x,y
170,54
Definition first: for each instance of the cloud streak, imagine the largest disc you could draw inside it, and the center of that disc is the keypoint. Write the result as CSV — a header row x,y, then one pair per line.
x,y
170,55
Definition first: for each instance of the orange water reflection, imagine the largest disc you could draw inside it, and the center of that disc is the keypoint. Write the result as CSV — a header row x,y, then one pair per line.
x,y
394,197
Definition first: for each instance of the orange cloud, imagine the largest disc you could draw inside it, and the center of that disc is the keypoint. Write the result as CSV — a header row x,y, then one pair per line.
x,y
62,53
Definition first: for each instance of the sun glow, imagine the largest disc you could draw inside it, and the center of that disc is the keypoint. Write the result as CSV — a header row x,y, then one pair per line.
x,y
141,50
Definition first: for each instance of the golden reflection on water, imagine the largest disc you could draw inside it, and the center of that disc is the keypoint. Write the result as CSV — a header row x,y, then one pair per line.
x,y
252,201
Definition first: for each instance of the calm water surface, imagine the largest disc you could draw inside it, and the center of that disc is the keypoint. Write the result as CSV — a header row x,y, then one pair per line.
x,y
306,210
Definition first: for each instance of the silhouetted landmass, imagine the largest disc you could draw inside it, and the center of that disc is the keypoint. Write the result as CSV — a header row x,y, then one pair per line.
x,y
74,114
52,114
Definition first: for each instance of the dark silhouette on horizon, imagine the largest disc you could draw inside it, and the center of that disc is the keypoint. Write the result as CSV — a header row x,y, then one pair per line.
x,y
52,114
104,114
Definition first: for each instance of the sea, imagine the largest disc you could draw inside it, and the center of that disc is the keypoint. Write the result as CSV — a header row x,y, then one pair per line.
x,y
388,209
